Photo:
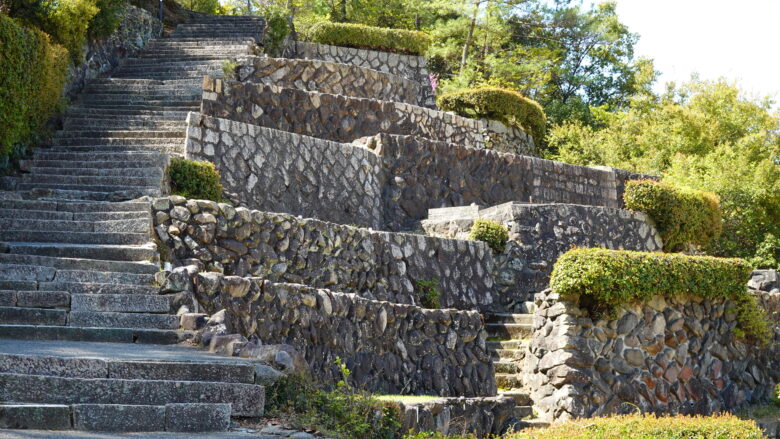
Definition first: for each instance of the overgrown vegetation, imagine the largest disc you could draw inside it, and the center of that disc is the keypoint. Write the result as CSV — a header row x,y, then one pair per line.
x,y
429,293
776,395
193,179
507,106
724,426
276,28
495,235
32,73
338,412
683,216
605,279
369,37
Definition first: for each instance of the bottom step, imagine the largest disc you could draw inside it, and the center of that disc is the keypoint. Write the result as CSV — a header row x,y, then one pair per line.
x,y
193,417
112,335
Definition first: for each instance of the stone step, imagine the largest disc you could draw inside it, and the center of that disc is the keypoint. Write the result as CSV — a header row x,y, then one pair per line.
x,y
508,381
79,123
27,273
138,109
215,59
104,277
119,82
102,335
120,303
34,299
118,134
77,207
75,237
84,251
115,180
86,194
195,42
193,75
93,192
246,399
100,288
12,315
524,424
523,412
98,172
509,330
80,264
506,344
129,225
521,398
507,354
106,113
165,148
122,320
506,367
527,319
117,418
146,157
150,163
16,285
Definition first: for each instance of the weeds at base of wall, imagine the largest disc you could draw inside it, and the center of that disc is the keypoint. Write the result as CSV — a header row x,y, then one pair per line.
x,y
430,295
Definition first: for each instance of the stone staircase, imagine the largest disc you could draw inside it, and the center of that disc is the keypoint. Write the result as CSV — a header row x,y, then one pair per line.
x,y
86,340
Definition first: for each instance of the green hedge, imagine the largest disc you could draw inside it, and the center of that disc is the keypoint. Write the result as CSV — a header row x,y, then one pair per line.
x,y
507,106
369,37
495,235
32,74
193,179
604,279
723,426
683,216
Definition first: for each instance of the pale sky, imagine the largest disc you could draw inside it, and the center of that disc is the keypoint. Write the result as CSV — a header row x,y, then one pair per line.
x,y
735,39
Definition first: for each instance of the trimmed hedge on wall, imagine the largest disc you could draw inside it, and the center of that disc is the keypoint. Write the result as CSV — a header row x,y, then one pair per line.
x,y
193,179
370,37
507,106
32,74
683,216
605,279
490,232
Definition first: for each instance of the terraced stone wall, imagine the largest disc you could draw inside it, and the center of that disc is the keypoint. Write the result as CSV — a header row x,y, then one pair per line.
x,y
327,77
388,347
540,233
622,176
412,67
675,355
286,248
344,119
283,172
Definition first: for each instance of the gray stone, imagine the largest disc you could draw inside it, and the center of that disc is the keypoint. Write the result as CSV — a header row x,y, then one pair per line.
x,y
35,417
118,417
197,417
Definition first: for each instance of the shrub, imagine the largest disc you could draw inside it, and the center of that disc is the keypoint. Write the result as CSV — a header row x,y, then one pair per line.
x,y
683,216
430,295
724,426
776,395
67,21
495,235
32,74
193,179
108,17
604,279
369,37
767,253
507,106
276,28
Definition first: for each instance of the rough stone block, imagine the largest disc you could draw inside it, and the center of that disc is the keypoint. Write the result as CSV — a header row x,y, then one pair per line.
x,y
35,416
197,417
118,417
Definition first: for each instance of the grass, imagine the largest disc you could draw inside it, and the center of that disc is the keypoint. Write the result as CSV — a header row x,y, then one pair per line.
x,y
407,399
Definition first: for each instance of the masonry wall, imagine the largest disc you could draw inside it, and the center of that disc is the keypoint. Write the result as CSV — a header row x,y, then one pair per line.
x,y
388,347
675,355
283,172
286,248
327,77
540,233
344,119
414,68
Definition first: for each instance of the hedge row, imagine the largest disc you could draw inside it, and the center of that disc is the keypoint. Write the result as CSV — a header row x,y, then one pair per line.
x,y
507,106
604,279
369,37
193,179
683,216
723,426
32,74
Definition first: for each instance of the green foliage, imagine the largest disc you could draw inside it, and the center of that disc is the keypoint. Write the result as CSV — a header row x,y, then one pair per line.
x,y
683,216
430,295
193,179
776,395
276,28
438,435
32,74
108,17
68,22
723,426
494,234
704,135
507,106
605,279
341,412
767,253
369,37
204,6
228,68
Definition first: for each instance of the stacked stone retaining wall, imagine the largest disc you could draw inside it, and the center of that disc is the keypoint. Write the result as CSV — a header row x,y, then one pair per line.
x,y
286,248
388,347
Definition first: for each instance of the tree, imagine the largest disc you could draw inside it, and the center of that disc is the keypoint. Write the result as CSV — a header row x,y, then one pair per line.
x,y
704,134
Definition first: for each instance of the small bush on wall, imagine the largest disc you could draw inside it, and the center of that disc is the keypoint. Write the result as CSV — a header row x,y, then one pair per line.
x,y
193,179
605,279
506,106
495,235
430,295
369,37
683,216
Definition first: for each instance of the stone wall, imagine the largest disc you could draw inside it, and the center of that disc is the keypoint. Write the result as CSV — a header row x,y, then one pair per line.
x,y
283,172
676,355
455,416
423,174
540,233
388,347
344,119
327,77
135,30
622,176
411,67
285,248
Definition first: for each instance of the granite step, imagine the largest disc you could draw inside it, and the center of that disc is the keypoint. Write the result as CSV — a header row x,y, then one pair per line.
x,y
509,381
80,264
138,225
527,319
88,194
149,163
506,344
105,277
94,192
109,113
118,134
75,288
89,319
96,180
246,399
120,303
176,43
75,237
509,330
76,207
168,148
98,171
133,157
102,334
13,315
521,398
507,354
84,251
34,299
122,124
523,412
506,367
